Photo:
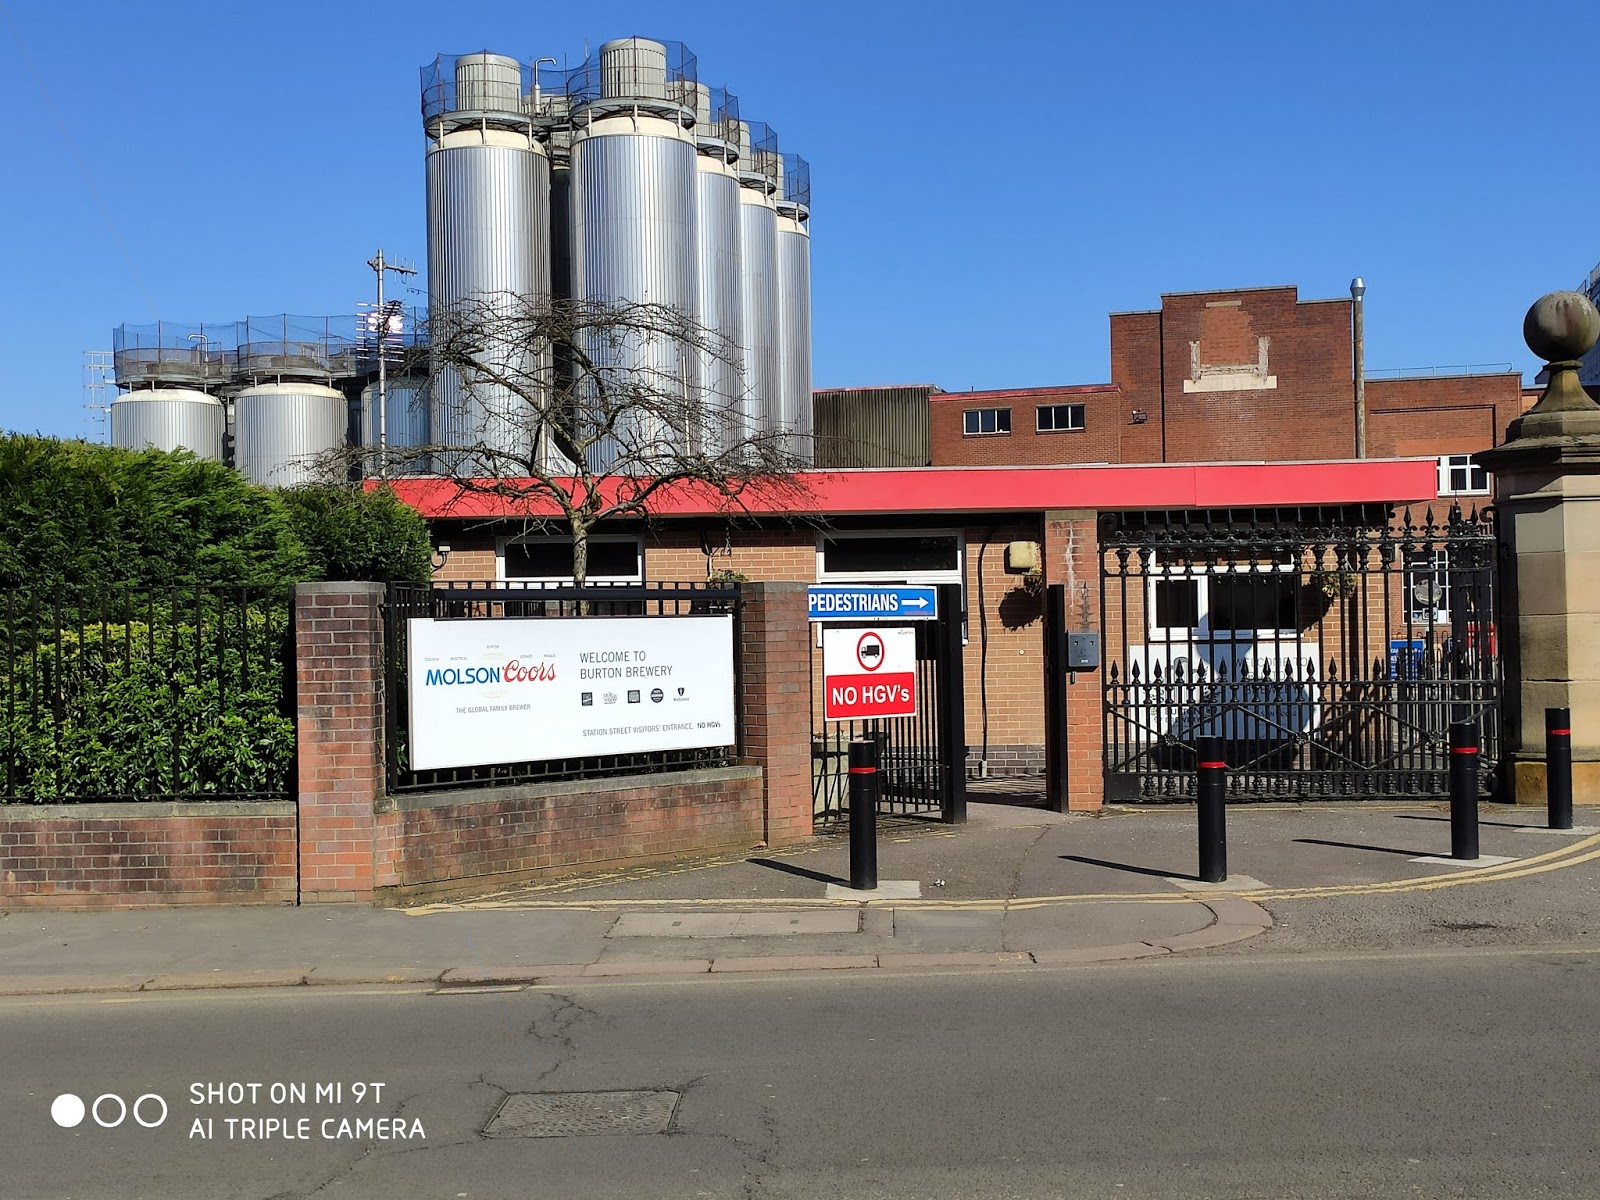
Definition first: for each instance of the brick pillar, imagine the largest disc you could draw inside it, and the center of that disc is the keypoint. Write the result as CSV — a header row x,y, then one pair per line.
x,y
1072,557
775,703
338,632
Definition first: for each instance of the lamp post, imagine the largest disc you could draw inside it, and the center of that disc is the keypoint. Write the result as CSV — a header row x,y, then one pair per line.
x,y
1358,289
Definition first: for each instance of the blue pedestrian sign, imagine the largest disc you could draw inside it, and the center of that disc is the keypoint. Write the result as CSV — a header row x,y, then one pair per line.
x,y
860,602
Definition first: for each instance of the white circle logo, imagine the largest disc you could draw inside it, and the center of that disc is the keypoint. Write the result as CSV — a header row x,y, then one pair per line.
x,y
67,1110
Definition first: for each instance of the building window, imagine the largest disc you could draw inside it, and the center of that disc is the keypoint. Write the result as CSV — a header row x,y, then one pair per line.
x,y
978,421
549,559
1224,602
1054,418
1460,476
889,558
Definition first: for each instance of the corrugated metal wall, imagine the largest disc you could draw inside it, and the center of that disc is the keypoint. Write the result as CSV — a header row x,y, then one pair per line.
x,y
873,427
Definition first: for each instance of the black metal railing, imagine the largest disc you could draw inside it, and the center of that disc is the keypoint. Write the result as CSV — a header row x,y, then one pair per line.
x,y
494,600
130,694
1330,649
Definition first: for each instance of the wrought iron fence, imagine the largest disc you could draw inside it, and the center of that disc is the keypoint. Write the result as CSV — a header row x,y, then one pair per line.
x,y
1329,648
131,694
494,600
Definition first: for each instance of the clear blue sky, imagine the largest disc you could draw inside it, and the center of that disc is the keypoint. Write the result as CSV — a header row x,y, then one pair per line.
x,y
989,180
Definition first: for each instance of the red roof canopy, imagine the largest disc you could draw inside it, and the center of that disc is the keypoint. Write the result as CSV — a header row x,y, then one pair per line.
x,y
954,490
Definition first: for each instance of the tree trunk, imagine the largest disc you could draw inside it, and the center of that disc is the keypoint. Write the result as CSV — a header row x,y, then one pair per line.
x,y
580,555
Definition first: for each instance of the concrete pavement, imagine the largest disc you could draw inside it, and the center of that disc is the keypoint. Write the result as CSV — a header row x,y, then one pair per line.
x,y
1016,887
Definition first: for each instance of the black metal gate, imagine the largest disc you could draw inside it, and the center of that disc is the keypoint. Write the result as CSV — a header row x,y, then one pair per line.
x,y
921,759
1330,648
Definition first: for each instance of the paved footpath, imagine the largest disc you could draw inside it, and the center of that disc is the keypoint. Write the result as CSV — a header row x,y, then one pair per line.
x,y
1014,888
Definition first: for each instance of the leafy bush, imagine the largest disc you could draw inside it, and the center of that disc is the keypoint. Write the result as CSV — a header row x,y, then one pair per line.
x,y
353,534
144,709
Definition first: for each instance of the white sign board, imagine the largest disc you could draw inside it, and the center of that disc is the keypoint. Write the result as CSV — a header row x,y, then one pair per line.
x,y
868,673
528,689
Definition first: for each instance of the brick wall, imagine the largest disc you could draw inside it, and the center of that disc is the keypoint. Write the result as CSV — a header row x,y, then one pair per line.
x,y
134,855
1433,415
1098,441
461,842
339,729
775,719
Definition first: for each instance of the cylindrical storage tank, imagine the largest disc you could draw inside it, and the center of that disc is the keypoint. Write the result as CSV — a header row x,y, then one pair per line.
x,y
633,240
488,83
488,256
285,433
633,68
758,294
721,306
169,419
794,341
405,429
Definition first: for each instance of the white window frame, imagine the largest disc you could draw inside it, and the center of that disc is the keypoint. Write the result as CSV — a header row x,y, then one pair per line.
x,y
1449,463
978,412
1082,414
1202,577
543,580
1436,571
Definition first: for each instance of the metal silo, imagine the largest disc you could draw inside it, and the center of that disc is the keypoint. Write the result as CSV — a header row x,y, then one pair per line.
x,y
794,305
633,228
488,184
169,419
285,433
721,310
407,426
758,268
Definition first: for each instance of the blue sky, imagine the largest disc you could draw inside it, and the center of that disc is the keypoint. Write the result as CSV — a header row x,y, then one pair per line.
x,y
989,181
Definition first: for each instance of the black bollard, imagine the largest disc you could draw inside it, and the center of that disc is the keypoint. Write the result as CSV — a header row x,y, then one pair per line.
x,y
1558,766
1464,789
1211,788
864,815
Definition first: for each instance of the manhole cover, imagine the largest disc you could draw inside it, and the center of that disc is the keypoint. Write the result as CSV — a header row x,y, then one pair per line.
x,y
577,1114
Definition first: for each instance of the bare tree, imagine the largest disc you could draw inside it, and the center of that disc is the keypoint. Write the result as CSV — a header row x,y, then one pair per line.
x,y
598,409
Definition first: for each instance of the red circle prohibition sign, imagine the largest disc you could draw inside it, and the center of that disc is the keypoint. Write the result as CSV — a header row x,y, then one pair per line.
x,y
869,651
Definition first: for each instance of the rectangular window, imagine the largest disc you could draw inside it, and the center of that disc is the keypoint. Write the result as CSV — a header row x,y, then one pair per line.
x,y
1177,605
902,557
1054,418
1427,581
978,421
1227,602
1460,476
549,559
1246,603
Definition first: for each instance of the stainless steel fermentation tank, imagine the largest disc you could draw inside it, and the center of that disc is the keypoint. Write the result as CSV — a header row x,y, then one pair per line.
x,y
633,240
169,418
488,185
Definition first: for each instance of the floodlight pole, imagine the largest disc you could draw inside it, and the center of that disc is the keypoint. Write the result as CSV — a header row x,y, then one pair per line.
x,y
379,266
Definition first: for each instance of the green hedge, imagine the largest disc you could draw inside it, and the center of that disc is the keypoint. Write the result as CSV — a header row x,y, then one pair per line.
x,y
112,683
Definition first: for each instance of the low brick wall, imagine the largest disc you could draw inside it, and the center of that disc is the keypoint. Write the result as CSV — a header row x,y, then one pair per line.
x,y
138,855
443,844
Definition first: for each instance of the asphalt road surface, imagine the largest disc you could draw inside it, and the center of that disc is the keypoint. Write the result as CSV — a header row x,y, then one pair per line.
x,y
1434,1074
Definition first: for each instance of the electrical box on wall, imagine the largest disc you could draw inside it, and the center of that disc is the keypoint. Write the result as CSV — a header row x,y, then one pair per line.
x,y
1083,651
1022,557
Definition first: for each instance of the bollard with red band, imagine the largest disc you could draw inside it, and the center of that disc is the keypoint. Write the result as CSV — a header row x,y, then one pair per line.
x,y
864,815
1464,789
1558,766
1211,787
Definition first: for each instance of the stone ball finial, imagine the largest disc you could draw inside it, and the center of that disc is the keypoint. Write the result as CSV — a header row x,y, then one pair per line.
x,y
1561,326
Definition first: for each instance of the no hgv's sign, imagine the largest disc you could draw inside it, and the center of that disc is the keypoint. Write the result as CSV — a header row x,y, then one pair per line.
x,y
868,673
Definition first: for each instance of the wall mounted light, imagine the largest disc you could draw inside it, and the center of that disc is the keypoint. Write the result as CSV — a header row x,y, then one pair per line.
x,y
1140,416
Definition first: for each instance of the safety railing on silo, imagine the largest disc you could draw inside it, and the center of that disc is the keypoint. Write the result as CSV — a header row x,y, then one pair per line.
x,y
173,353
630,73
759,159
796,182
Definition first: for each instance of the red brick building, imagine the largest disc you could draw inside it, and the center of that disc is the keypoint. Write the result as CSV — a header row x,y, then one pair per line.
x,y
1255,374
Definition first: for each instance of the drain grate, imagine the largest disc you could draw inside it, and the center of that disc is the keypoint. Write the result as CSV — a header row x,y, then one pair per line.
x,y
581,1114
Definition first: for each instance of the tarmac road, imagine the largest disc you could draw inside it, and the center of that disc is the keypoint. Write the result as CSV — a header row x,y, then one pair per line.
x,y
1447,1072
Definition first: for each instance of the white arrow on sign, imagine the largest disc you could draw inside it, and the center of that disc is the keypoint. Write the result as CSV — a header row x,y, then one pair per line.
x,y
917,602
